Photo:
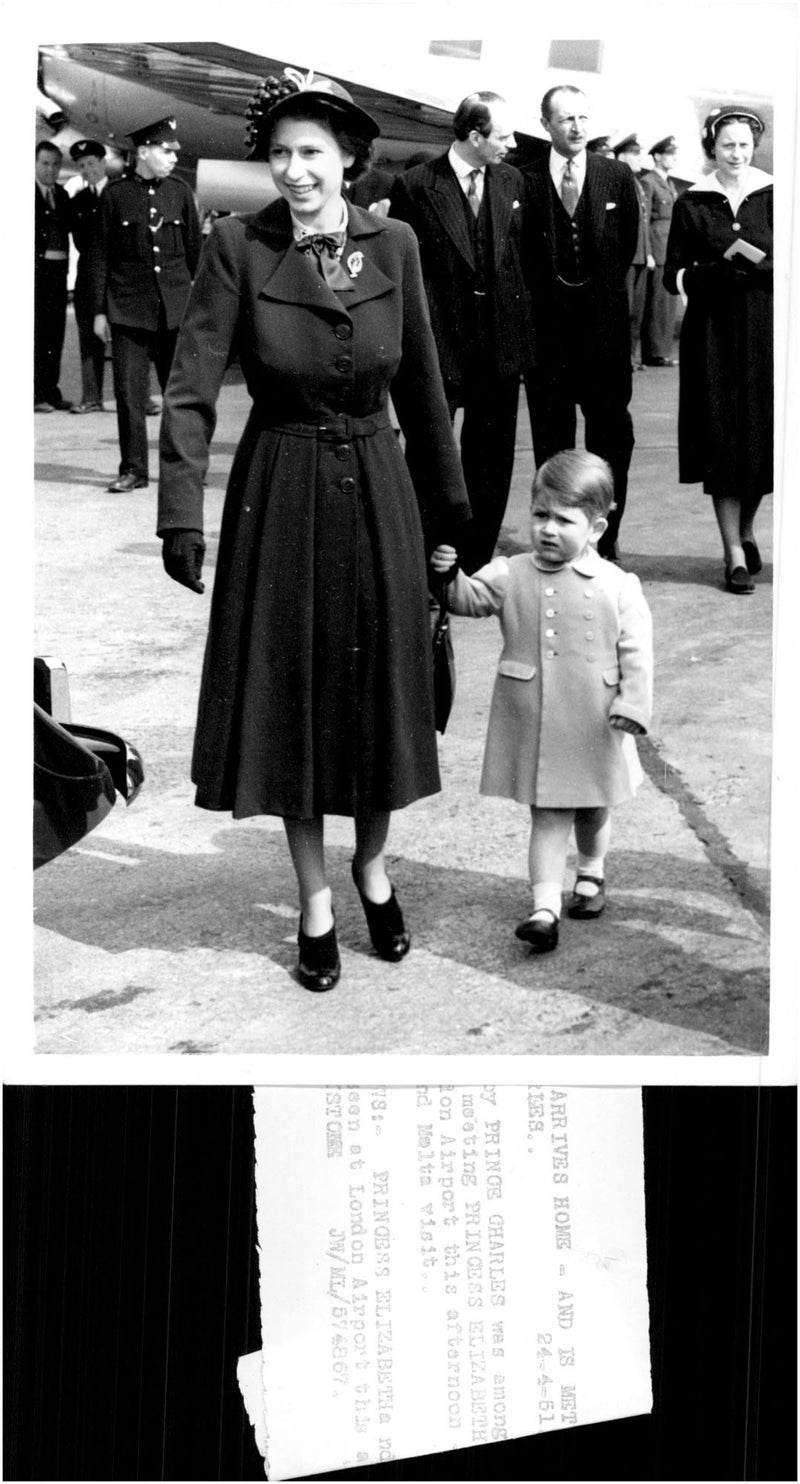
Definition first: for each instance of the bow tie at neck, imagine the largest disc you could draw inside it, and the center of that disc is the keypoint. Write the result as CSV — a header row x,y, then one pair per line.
x,y
327,247
320,242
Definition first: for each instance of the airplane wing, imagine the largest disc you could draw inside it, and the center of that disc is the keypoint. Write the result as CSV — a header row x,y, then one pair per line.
x,y
106,89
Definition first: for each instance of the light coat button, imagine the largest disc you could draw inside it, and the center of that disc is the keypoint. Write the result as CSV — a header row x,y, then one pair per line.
x,y
551,654
588,592
156,249
550,613
549,633
549,591
156,269
590,635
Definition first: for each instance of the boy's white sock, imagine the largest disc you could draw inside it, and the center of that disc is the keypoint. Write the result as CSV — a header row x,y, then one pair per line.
x,y
589,865
547,897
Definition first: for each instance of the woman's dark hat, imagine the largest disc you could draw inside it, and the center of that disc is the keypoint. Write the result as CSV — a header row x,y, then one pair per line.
x,y
85,147
278,97
719,116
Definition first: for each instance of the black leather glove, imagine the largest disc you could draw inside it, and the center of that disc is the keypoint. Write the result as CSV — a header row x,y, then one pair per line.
x,y
182,553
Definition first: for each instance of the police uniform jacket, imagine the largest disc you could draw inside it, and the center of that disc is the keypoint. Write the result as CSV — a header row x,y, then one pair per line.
x,y
145,253
660,196
84,224
470,303
577,649
51,223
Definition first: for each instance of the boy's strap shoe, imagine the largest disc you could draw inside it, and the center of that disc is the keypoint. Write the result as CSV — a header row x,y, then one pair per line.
x,y
540,935
583,906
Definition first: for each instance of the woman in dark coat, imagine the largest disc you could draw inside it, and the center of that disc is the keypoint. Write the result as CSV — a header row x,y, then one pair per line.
x,y
725,415
316,695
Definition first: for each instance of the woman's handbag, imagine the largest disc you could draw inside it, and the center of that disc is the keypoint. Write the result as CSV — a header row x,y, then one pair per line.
x,y
444,665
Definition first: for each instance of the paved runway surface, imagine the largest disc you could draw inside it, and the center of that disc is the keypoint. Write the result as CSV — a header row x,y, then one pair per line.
x,y
174,930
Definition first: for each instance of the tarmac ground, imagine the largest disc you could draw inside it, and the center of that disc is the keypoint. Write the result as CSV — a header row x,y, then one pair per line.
x,y
170,929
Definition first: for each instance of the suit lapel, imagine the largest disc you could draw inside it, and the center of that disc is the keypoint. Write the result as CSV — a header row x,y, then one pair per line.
x,y
447,201
541,187
596,198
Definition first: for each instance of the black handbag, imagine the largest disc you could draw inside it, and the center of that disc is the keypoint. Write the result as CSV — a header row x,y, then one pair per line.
x,y
444,664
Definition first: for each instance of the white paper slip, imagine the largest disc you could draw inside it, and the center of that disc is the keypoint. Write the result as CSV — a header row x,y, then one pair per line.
x,y
443,1267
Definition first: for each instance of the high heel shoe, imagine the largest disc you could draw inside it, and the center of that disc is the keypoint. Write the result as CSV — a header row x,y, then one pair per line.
x,y
738,580
386,926
318,965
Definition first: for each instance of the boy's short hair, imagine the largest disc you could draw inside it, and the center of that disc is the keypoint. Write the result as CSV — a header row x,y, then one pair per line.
x,y
576,478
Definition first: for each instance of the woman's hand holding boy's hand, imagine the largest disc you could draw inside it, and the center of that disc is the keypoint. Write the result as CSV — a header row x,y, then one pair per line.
x,y
443,558
625,724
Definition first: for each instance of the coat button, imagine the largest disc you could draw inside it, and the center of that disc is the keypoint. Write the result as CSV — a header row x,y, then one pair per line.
x,y
156,269
347,486
343,332
343,452
549,633
589,634
588,592
156,249
737,226
344,363
550,654
549,591
549,612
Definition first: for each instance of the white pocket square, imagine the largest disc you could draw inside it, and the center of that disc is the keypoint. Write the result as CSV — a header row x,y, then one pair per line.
x,y
611,205
515,205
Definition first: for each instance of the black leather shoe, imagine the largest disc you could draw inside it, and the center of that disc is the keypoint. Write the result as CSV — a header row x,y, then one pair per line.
x,y
127,482
739,581
587,907
318,965
752,556
387,929
79,407
540,935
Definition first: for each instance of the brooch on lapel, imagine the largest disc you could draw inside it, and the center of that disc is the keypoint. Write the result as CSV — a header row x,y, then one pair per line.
x,y
355,263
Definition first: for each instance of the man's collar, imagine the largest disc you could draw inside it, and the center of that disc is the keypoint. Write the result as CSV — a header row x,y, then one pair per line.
x,y
461,166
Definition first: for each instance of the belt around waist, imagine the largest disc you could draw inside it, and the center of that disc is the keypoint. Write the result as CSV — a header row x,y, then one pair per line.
x,y
331,429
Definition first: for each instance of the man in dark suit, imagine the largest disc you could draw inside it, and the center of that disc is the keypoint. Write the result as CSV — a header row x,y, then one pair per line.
x,y
142,265
90,158
581,223
629,151
51,263
466,210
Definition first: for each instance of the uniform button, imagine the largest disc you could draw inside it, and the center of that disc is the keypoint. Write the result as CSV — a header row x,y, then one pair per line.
x,y
347,486
343,332
152,210
549,612
344,363
156,249
548,592
156,269
549,633
343,451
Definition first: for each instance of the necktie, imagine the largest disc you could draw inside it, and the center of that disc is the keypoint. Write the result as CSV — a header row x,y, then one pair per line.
x,y
326,247
51,198
569,190
472,192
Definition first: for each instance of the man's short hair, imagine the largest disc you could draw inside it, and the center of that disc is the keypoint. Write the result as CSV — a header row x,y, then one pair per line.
x,y
47,145
560,87
474,112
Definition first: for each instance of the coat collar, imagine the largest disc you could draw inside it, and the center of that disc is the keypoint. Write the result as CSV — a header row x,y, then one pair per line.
x,y
291,278
757,180
588,565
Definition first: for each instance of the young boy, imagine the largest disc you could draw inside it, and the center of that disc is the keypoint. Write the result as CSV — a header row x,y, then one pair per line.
x,y
573,685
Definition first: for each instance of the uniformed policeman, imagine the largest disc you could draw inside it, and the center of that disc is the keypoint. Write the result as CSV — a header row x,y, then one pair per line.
x,y
629,150
658,325
90,157
143,263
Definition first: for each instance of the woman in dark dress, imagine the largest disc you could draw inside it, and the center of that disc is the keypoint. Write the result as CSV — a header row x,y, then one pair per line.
x,y
316,695
725,417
